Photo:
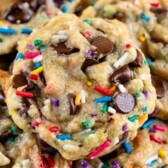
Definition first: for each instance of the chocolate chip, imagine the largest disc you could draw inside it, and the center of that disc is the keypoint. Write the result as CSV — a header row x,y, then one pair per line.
x,y
4,136
124,102
61,48
159,10
122,75
120,16
88,62
73,108
43,147
138,61
158,84
19,81
103,45
19,12
2,98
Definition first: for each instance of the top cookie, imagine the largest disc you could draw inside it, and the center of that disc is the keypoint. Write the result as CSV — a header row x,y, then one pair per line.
x,y
82,87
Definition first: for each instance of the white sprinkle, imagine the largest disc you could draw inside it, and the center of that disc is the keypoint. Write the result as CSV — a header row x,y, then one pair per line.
x,y
145,76
111,110
85,131
122,88
83,97
26,163
121,60
155,157
38,58
47,101
116,141
100,165
70,147
59,38
62,32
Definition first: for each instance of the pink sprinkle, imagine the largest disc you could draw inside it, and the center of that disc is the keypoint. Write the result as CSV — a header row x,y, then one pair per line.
x,y
31,55
35,124
160,128
99,149
157,140
87,34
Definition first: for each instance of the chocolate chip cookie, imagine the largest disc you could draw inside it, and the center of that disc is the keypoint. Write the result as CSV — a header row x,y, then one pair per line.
x,y
83,87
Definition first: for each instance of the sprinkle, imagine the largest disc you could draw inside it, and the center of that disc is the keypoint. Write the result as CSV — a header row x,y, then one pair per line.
x,y
33,77
90,52
37,65
152,130
115,164
162,153
155,5
142,119
144,17
13,129
103,99
88,123
24,94
31,55
157,140
87,34
10,112
136,95
55,102
153,158
83,96
127,45
54,129
130,166
99,149
84,164
111,110
64,136
127,147
26,31
70,1
151,164
30,47
122,88
147,62
142,38
41,48
89,83
34,124
147,124
1,22
146,94
64,8
37,71
1,39
85,131
8,31
37,42
112,89
38,58
78,99
124,128
104,108
59,38
133,118
145,109
19,56
121,60
102,90
159,128
88,21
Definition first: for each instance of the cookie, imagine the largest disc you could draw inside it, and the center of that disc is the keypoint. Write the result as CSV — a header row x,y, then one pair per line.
x,y
148,149
87,80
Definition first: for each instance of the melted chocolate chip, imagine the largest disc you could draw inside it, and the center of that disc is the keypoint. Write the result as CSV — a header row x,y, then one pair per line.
x,y
43,147
88,62
2,98
138,61
19,12
124,102
4,136
73,108
103,45
61,48
120,16
19,81
158,84
122,75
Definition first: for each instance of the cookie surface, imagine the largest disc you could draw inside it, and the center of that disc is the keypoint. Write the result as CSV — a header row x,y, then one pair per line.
x,y
78,83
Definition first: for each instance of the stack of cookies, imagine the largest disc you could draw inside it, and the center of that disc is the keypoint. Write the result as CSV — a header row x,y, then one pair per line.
x,y
83,83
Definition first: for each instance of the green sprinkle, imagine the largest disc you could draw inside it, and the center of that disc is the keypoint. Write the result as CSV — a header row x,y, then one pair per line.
x,y
88,123
13,129
91,3
12,139
104,108
88,21
147,62
37,42
105,165
136,95
1,39
133,118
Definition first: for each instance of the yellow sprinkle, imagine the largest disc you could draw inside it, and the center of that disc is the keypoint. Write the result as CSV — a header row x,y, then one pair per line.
x,y
89,83
142,38
37,71
142,119
162,153
1,22
77,99
10,112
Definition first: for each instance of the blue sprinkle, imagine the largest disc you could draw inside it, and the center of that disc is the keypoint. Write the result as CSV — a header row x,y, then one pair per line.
x,y
42,47
37,65
19,56
145,109
147,124
103,99
64,137
64,9
151,163
144,17
70,1
26,31
9,31
127,147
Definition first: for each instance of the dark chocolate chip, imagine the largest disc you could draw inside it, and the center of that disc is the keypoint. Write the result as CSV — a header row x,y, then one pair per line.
x,y
43,147
4,136
73,108
124,102
2,98
138,61
19,12
120,16
88,62
61,48
122,75
158,84
19,81
159,10
103,45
